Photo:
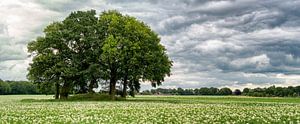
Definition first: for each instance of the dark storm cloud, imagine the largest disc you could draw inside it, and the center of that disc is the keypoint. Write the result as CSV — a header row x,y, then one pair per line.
x,y
225,39
234,43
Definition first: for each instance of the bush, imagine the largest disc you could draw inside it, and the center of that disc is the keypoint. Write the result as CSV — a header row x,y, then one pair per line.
x,y
225,91
237,92
92,97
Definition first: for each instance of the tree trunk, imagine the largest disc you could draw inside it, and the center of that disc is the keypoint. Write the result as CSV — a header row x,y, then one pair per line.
x,y
91,86
64,96
82,85
64,93
125,83
113,81
113,90
56,90
83,89
110,86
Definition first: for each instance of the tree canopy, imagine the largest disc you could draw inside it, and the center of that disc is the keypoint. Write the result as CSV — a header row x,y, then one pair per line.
x,y
80,52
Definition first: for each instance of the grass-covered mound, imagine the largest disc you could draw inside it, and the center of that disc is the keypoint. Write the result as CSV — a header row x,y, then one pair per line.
x,y
93,97
79,97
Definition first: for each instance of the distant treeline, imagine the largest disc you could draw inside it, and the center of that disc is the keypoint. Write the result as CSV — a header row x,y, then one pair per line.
x,y
257,92
26,87
197,91
17,87
273,91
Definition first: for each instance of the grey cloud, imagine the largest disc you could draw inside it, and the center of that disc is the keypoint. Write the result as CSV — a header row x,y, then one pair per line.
x,y
257,39
62,5
3,29
212,42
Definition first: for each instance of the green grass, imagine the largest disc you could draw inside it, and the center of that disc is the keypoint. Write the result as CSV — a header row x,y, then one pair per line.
x,y
150,109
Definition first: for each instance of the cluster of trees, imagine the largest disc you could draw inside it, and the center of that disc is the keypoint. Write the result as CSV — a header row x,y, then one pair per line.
x,y
271,91
17,87
197,91
84,51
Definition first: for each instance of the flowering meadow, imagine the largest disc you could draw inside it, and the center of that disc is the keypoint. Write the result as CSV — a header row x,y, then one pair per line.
x,y
151,109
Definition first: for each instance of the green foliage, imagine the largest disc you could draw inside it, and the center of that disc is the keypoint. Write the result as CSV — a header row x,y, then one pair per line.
x,y
22,87
246,90
197,91
67,54
77,53
225,91
131,52
237,92
207,91
18,87
4,88
272,91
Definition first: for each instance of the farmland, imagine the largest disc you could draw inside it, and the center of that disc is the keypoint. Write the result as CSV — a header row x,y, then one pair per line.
x,y
151,109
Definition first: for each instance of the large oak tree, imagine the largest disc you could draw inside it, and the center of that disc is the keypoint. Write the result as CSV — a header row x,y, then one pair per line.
x,y
67,54
83,49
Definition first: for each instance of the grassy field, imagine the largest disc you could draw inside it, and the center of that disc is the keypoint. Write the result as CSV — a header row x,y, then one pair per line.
x,y
151,109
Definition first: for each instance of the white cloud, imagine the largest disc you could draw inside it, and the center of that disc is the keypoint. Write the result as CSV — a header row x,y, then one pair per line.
x,y
260,61
217,5
21,22
208,30
214,46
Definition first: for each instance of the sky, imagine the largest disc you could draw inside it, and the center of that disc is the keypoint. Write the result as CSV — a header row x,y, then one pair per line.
x,y
212,43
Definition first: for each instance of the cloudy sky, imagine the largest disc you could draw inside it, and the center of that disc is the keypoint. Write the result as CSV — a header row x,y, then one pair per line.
x,y
230,43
